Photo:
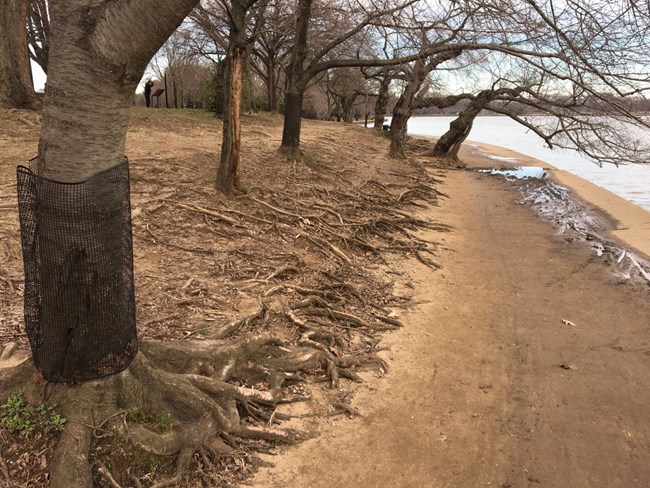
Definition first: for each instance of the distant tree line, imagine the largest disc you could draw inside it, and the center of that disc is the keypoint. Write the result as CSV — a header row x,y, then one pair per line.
x,y
345,61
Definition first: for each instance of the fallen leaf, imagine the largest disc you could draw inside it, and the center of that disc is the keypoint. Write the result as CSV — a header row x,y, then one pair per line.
x,y
567,366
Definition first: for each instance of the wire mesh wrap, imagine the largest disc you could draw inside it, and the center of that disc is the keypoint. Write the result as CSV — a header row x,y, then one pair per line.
x,y
79,289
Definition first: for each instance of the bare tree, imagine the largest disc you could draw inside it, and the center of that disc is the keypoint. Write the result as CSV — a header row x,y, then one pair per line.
x,y
16,89
449,143
272,50
415,78
346,85
304,66
38,32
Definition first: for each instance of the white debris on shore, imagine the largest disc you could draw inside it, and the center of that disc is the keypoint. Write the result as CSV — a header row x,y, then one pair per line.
x,y
556,204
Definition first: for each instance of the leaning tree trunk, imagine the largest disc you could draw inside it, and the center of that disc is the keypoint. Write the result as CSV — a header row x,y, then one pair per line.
x,y
398,128
450,142
16,89
402,113
403,109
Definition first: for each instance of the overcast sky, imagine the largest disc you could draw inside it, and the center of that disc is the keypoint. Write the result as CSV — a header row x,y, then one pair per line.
x,y
39,77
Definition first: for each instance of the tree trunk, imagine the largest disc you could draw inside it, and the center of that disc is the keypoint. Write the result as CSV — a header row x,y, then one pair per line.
x,y
16,89
292,122
348,103
228,172
449,144
84,131
382,102
166,90
398,127
296,84
272,87
406,103
239,47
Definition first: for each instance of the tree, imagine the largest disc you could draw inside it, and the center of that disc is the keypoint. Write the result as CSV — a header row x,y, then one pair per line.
x,y
381,104
272,49
16,90
346,85
83,134
449,143
38,32
304,66
239,47
109,45
244,23
404,106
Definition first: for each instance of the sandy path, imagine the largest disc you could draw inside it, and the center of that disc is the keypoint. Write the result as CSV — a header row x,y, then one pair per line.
x,y
476,395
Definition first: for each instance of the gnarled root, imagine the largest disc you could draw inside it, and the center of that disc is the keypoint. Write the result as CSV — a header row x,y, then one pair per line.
x,y
204,388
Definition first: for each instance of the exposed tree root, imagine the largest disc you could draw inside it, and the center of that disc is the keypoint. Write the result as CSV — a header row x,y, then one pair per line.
x,y
203,388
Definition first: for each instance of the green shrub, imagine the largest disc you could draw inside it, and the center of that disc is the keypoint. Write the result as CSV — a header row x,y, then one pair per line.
x,y
19,416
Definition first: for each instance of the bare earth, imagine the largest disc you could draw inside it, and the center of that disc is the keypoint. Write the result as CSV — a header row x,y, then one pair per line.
x,y
478,393
523,362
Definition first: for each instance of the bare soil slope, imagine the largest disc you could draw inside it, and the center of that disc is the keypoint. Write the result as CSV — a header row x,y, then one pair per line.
x,y
522,362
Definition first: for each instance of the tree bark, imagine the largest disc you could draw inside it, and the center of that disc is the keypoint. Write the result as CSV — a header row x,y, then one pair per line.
x,y
97,57
296,84
228,173
449,143
239,46
292,121
16,89
403,109
382,101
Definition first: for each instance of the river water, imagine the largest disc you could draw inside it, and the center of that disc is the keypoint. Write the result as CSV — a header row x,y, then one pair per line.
x,y
631,182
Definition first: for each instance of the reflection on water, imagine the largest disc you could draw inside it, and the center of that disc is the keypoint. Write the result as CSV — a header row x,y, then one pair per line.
x,y
630,182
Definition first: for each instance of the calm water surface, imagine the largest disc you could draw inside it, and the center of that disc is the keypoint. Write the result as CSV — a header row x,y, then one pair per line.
x,y
630,182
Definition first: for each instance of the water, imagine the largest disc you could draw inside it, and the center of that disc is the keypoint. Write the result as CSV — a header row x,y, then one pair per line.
x,y
631,182
519,173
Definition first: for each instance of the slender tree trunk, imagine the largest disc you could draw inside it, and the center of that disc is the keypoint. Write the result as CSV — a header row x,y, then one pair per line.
x,y
296,84
272,87
382,101
16,89
166,91
292,123
228,173
239,47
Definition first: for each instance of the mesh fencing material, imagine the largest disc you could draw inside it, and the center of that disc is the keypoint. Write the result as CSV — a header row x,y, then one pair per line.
x,y
79,289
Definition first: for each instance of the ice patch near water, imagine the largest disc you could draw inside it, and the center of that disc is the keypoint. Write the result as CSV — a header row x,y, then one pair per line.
x,y
521,173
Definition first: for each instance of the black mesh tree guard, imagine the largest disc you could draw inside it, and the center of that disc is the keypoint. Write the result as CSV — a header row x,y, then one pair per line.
x,y
79,289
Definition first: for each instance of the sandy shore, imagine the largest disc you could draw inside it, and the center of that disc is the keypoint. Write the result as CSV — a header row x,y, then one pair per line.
x,y
523,362
630,224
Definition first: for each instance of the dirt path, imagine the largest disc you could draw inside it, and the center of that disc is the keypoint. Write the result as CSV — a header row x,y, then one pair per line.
x,y
476,395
